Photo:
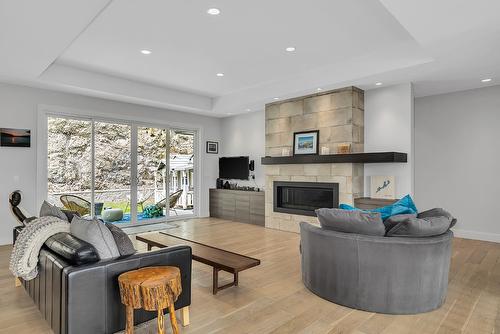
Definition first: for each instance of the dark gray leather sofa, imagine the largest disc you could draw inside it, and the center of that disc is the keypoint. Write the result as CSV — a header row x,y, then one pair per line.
x,y
377,274
86,299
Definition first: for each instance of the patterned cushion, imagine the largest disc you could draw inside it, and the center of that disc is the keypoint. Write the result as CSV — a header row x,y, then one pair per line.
x,y
123,242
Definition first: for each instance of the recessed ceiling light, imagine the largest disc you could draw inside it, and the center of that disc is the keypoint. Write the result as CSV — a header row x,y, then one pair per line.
x,y
276,98
213,11
220,74
486,80
247,110
146,52
229,113
378,84
319,89
290,49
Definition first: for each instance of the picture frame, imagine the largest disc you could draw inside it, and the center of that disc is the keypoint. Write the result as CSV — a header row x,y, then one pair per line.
x,y
383,186
15,137
306,143
212,147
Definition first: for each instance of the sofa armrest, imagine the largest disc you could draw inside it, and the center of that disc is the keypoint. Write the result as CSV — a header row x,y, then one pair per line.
x,y
91,296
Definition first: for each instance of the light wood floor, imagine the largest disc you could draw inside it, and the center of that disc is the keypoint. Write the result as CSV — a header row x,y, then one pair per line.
x,y
272,299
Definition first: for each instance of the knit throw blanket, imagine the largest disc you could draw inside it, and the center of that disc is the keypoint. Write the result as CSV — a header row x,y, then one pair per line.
x,y
24,257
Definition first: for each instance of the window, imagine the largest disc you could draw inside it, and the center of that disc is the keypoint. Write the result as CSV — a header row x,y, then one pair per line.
x,y
120,171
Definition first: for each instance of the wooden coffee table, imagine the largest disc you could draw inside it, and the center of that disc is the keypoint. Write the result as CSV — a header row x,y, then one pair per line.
x,y
219,259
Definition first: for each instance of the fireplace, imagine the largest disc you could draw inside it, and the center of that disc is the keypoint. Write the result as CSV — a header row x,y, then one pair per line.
x,y
302,198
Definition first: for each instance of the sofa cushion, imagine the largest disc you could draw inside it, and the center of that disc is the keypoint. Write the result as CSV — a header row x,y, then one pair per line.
x,y
404,206
436,212
96,234
420,227
392,221
359,222
49,210
75,251
123,242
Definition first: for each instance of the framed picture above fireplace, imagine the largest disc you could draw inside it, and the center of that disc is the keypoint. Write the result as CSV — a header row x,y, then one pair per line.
x,y
305,143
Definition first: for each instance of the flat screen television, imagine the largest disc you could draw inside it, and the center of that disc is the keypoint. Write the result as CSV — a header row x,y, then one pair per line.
x,y
234,168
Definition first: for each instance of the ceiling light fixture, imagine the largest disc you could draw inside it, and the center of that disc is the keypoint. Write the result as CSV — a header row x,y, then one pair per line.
x,y
290,49
378,84
276,98
247,110
486,80
319,89
220,74
229,113
146,52
213,11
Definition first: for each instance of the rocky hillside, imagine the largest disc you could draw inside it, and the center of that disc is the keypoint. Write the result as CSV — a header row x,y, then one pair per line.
x,y
69,154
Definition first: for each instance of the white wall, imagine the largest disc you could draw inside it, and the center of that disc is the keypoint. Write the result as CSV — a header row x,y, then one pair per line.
x,y
457,158
245,135
18,109
389,126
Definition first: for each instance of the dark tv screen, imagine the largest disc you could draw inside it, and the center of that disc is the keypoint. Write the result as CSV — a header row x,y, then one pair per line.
x,y
234,168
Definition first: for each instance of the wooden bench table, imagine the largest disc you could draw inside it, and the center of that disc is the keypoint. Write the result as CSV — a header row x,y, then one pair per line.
x,y
219,259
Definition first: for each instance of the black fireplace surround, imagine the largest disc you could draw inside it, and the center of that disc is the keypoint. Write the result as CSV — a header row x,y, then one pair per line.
x,y
302,198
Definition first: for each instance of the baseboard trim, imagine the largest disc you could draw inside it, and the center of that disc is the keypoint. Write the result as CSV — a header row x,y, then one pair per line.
x,y
466,234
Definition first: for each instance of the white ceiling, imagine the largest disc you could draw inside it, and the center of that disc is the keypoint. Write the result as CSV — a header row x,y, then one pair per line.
x,y
93,47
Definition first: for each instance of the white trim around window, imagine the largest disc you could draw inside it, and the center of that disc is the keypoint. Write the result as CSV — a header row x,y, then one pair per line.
x,y
44,111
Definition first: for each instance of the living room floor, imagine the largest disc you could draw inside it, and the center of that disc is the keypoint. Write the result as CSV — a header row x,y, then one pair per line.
x,y
272,299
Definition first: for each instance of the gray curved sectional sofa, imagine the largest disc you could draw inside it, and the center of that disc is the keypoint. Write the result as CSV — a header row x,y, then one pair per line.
x,y
395,275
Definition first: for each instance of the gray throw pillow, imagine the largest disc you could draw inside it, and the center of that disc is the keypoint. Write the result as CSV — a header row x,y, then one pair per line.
x,y
96,234
49,210
436,212
359,222
420,227
396,219
123,242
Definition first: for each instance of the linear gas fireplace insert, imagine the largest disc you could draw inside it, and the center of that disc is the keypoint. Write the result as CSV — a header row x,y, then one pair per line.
x,y
302,198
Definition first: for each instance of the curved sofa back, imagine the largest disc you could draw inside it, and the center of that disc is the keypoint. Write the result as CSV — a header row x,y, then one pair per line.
x,y
377,274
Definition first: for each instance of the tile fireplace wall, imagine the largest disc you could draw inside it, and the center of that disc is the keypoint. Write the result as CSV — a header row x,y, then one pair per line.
x,y
339,117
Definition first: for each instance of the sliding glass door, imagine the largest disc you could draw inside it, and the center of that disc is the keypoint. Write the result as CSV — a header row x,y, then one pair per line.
x,y
112,170
181,172
69,163
119,171
152,183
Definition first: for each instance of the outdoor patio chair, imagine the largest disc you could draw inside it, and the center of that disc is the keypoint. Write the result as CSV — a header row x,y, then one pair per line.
x,y
75,203
172,200
141,201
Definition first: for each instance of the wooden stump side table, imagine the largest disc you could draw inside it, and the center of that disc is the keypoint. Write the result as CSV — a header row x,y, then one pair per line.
x,y
153,289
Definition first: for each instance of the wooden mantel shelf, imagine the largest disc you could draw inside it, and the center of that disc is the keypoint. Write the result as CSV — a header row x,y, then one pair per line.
x,y
376,157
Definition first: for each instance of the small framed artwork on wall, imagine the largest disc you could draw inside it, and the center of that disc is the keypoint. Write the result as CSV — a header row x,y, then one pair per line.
x,y
383,187
15,137
213,147
305,143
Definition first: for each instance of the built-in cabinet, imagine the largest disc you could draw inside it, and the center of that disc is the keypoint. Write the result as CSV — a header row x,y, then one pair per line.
x,y
238,205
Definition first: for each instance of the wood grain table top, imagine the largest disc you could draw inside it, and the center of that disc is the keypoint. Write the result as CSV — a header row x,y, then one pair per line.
x,y
213,256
